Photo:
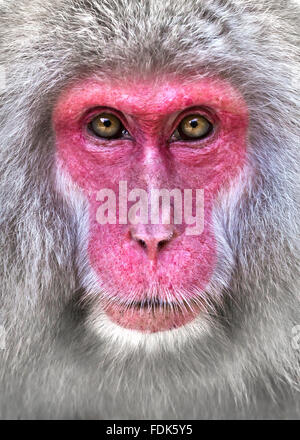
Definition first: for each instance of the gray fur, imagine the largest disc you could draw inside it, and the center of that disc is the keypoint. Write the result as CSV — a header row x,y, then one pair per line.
x,y
52,366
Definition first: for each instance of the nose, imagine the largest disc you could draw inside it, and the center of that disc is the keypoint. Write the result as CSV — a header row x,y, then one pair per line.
x,y
152,240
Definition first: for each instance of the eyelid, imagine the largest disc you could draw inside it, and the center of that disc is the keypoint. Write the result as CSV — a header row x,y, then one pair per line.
x,y
97,111
206,112
195,110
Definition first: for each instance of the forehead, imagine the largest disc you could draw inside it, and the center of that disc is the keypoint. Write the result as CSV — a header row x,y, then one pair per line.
x,y
152,96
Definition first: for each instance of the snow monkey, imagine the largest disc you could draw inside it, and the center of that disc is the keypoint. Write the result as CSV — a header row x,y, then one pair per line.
x,y
149,190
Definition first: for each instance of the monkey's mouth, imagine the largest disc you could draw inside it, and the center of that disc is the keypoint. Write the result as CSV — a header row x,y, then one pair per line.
x,y
151,316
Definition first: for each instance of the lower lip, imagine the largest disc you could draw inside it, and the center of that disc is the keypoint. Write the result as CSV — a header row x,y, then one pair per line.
x,y
150,320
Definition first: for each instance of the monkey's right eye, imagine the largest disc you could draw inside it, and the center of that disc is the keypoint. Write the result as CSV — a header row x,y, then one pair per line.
x,y
107,126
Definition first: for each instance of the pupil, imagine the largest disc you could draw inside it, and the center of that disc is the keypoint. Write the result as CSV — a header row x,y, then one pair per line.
x,y
194,123
106,123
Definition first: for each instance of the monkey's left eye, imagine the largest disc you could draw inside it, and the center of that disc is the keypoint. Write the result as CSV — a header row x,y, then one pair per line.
x,y
193,127
108,126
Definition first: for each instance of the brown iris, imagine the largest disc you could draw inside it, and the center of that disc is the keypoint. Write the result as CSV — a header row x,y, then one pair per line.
x,y
106,125
193,127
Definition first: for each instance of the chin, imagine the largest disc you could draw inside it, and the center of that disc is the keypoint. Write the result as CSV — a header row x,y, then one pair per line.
x,y
151,326
154,336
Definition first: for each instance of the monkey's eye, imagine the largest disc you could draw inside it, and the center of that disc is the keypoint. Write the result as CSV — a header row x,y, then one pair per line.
x,y
193,127
108,126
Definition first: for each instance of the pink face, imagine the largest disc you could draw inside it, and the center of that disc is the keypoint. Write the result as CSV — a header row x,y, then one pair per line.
x,y
139,262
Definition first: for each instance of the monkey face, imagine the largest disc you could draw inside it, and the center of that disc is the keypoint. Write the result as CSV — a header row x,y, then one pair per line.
x,y
119,143
149,209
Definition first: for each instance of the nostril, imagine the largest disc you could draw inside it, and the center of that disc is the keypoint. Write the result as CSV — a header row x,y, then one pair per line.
x,y
161,244
151,242
142,243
